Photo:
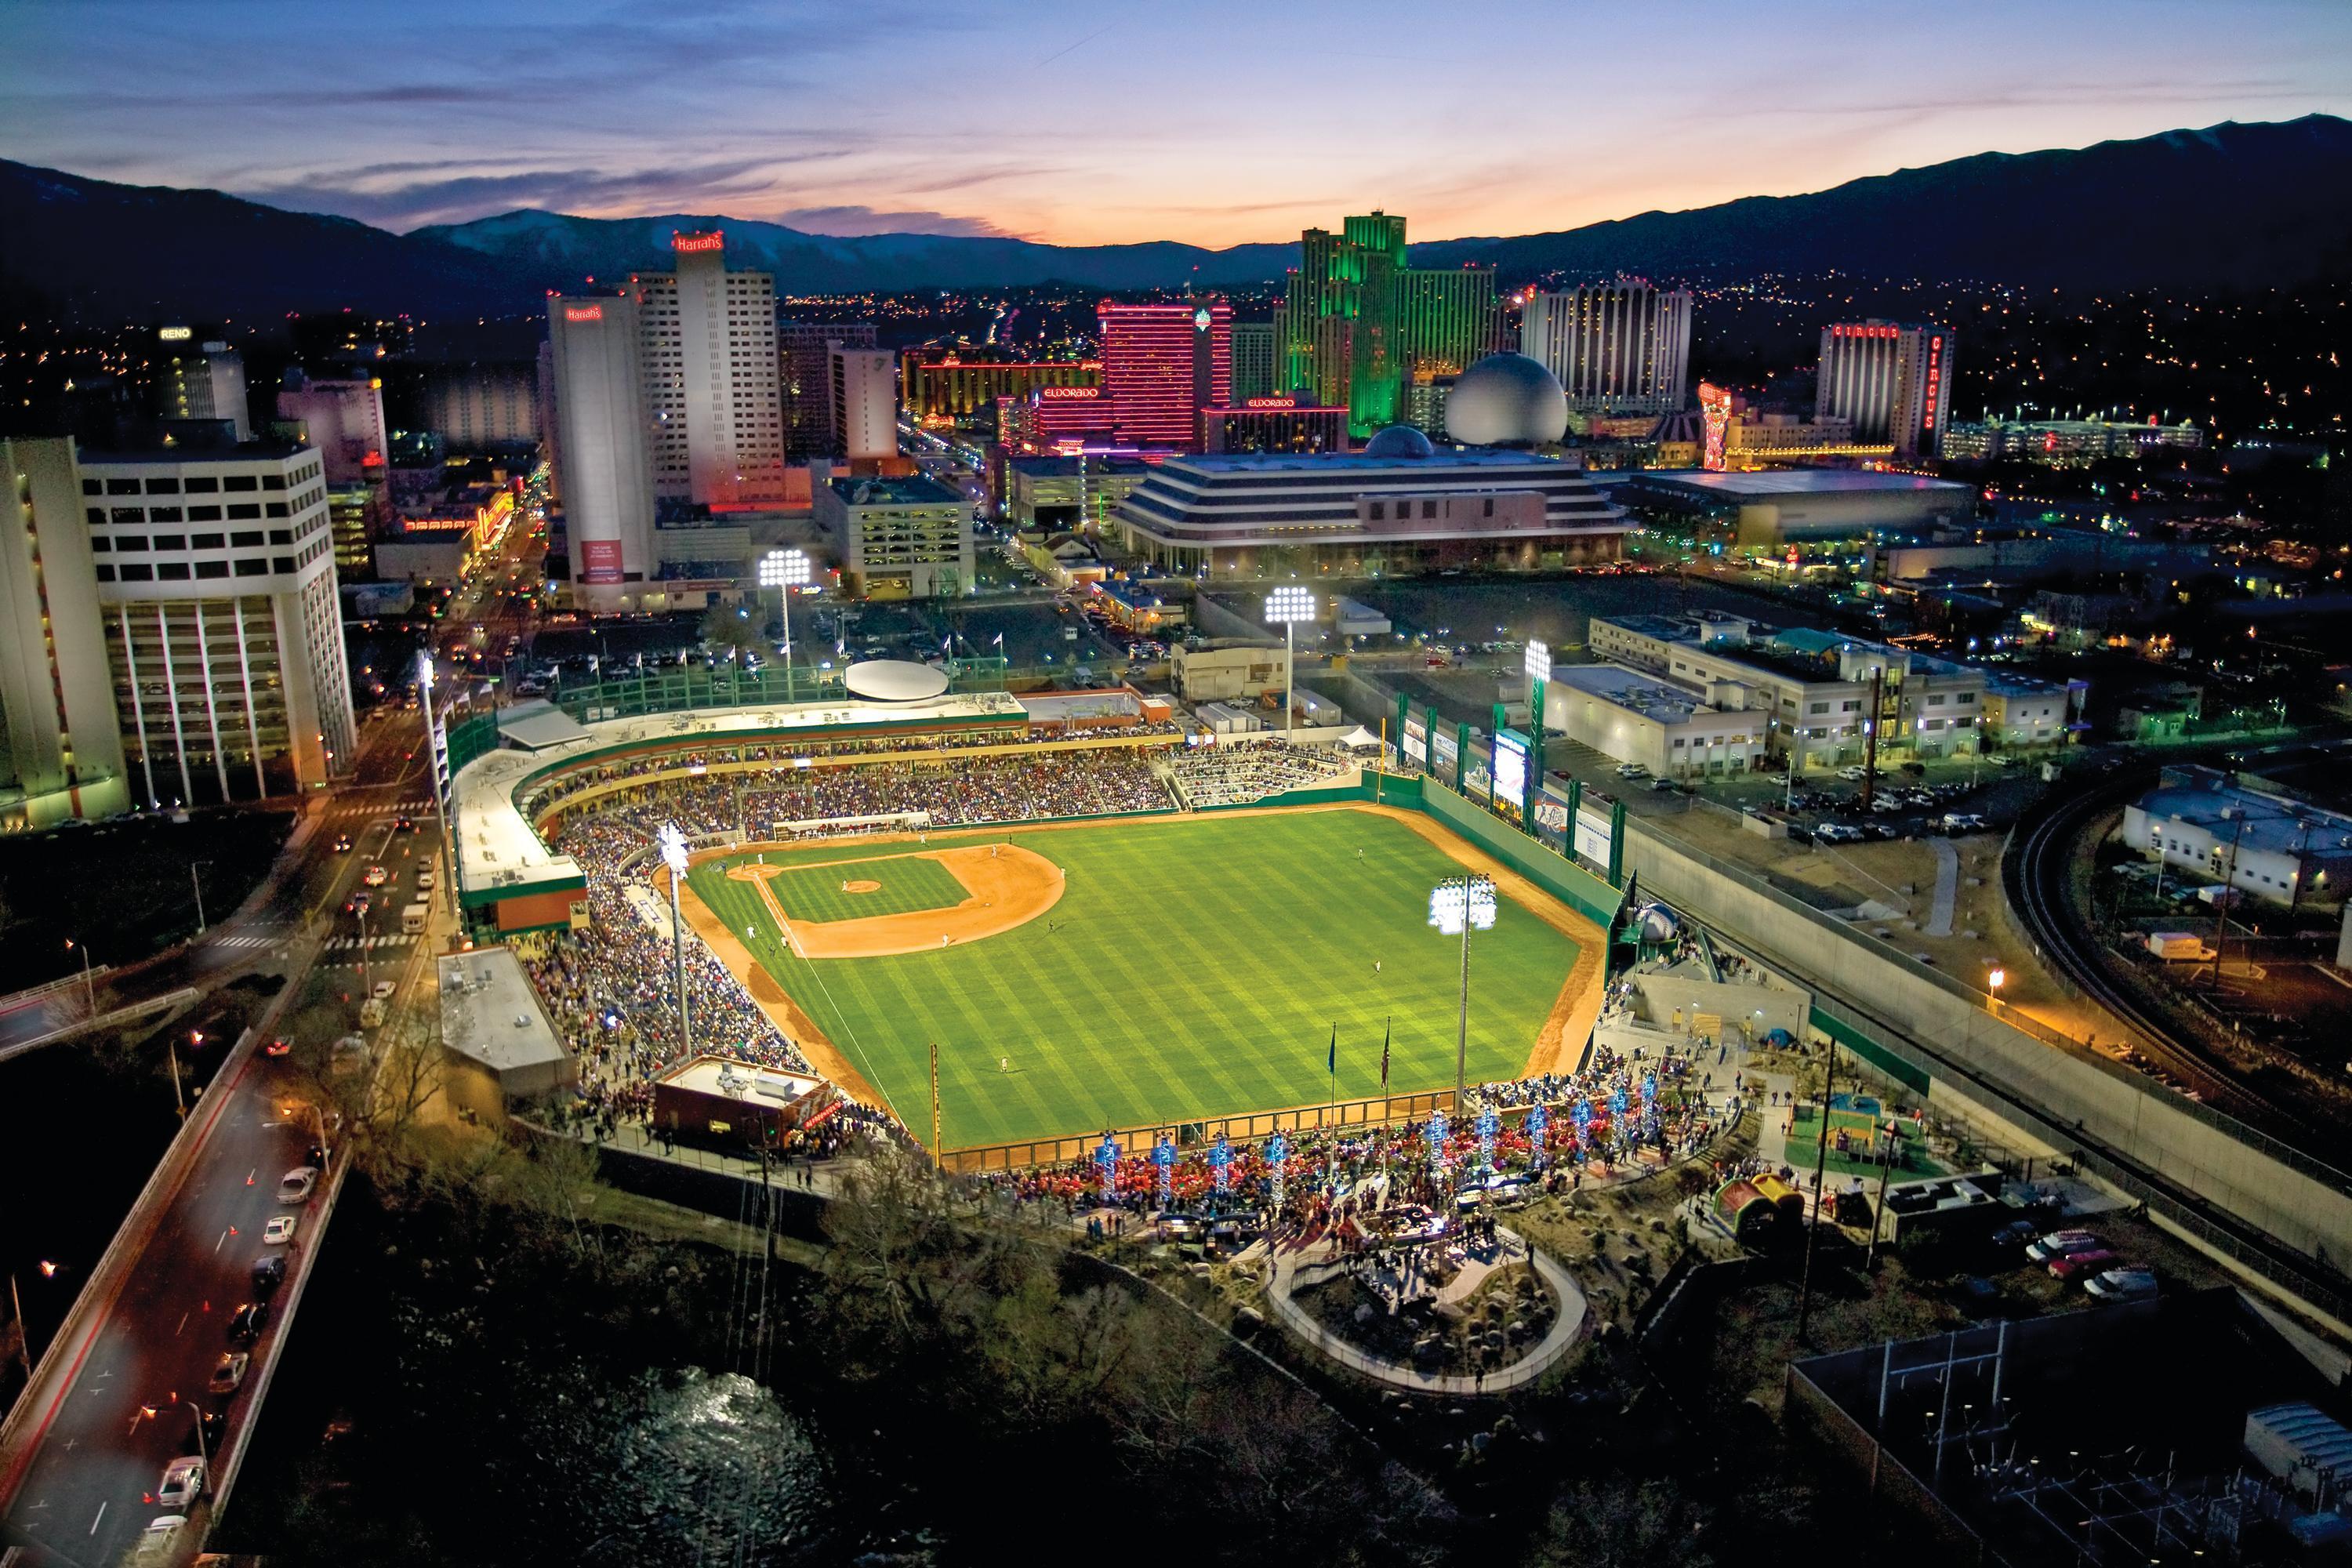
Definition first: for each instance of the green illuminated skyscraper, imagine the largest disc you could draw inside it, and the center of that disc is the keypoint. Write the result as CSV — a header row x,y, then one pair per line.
x,y
1357,322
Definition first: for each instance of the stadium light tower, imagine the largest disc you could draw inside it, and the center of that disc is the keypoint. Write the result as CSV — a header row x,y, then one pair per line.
x,y
1458,906
1538,660
673,854
435,746
785,570
1290,606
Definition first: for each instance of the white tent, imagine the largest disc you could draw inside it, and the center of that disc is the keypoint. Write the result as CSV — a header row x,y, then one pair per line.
x,y
1359,739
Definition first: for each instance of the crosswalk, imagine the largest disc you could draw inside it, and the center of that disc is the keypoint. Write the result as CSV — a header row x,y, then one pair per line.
x,y
353,944
251,939
362,811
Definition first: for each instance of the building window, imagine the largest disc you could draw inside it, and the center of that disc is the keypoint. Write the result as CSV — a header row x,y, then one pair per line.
x,y
244,511
203,484
275,508
172,572
273,481
283,563
130,542
92,488
204,515
207,541
246,538
129,514
105,571
162,515
281,536
252,567
163,487
239,482
134,573
171,541
99,545
1966,698
1817,707
123,487
211,568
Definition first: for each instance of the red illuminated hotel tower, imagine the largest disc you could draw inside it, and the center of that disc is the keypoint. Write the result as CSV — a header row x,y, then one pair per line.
x,y
1161,365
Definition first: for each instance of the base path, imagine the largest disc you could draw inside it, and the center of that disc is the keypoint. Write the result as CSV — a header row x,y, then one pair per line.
x,y
1005,885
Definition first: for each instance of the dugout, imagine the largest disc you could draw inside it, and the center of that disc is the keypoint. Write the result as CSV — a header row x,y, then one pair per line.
x,y
718,1099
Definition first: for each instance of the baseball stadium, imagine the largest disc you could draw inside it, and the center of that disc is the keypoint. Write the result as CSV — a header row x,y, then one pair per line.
x,y
1010,925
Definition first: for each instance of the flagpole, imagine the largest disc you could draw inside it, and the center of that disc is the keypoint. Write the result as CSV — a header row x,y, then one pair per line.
x,y
1388,1131
1332,1119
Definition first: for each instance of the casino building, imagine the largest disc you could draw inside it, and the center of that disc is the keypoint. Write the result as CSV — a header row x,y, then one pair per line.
x,y
1399,506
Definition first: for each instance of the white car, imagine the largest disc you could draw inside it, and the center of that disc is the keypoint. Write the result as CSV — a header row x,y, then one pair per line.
x,y
279,1230
1853,773
2061,1244
382,989
1631,771
157,1541
182,1479
295,1185
1838,833
2122,1285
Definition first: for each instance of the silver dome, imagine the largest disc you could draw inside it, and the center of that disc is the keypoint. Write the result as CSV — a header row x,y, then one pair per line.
x,y
1507,400
1399,442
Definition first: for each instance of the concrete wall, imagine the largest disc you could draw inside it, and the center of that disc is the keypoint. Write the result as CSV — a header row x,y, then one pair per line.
x,y
2046,1085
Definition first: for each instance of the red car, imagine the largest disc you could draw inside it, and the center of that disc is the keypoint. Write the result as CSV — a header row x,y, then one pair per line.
x,y
2077,1267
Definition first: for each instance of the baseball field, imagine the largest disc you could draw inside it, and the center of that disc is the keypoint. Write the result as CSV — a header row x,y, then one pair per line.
x,y
1129,974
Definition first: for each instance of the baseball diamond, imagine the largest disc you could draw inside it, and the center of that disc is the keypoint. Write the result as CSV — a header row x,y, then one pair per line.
x,y
1122,973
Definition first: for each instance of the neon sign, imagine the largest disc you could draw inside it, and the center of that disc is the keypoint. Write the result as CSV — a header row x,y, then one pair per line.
x,y
1715,415
1272,402
583,313
1061,391
175,334
686,244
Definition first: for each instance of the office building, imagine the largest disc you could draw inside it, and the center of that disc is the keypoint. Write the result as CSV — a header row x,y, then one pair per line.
x,y
1636,716
1617,348
806,364
604,466
1399,506
60,747
2211,827
2067,443
1059,493
1273,425
342,419
948,391
1892,382
1773,506
1357,323
357,514
865,404
216,596
898,538
1161,365
1257,363
481,407
711,394
1812,690
202,381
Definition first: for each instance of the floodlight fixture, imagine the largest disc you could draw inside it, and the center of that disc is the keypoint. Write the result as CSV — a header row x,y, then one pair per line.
x,y
673,847
1285,604
1538,660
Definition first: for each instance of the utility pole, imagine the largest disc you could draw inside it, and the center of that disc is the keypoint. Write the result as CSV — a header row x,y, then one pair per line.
x,y
23,1332
196,883
1870,739
2222,900
1821,1174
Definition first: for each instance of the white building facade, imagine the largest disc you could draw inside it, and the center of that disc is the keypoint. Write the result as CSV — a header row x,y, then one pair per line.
x,y
1892,382
711,389
602,451
216,595
1617,348
865,384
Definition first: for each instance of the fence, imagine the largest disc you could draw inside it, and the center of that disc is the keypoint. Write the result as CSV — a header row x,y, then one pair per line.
x,y
1247,1126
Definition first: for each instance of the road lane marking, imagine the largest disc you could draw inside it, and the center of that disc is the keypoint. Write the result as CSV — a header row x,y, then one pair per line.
x,y
184,1325
217,1245
101,1514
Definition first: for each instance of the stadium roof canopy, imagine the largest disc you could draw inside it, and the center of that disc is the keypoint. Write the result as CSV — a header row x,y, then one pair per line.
x,y
534,726
895,681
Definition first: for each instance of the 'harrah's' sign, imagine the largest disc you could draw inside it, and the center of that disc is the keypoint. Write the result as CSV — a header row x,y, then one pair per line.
x,y
583,313
685,244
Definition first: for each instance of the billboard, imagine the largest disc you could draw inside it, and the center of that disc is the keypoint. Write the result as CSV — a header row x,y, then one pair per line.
x,y
1510,766
1416,741
1447,753
600,561
1593,836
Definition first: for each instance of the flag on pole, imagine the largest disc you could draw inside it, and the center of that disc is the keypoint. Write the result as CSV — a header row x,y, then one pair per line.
x,y
1385,1025
1332,1066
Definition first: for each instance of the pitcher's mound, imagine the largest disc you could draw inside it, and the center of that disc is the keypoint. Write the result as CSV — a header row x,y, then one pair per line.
x,y
861,887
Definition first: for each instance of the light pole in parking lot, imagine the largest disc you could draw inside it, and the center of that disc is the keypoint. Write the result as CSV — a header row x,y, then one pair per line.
x,y
785,570
1289,606
1458,906
673,854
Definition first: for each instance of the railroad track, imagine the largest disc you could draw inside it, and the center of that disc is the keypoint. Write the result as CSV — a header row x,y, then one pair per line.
x,y
2034,875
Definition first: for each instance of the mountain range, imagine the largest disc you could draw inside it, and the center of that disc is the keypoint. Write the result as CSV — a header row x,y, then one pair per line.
x,y
2230,206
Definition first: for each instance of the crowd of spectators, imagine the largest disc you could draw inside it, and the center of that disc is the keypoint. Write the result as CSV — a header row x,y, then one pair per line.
x,y
1236,772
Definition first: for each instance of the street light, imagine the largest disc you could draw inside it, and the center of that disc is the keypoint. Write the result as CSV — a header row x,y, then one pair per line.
x,y
1289,606
89,981
785,570
1458,906
432,766
673,854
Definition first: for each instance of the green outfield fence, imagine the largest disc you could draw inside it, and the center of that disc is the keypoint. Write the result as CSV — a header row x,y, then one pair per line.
x,y
1244,1129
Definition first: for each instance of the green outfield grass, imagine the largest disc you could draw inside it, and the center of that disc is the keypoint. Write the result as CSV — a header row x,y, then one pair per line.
x,y
909,883
1192,968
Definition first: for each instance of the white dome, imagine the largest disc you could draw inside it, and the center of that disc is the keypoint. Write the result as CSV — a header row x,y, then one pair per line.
x,y
894,680
1507,400
1656,924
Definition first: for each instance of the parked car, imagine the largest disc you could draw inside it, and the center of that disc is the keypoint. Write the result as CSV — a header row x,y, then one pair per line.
x,y
182,1480
2122,1285
2077,1267
278,1046
1853,773
1963,822
2061,1243
270,1271
1838,833
295,1185
279,1230
1631,771
160,1542
382,989
229,1371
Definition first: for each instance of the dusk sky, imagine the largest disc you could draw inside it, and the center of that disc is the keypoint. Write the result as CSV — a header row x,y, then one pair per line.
x,y
1216,122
